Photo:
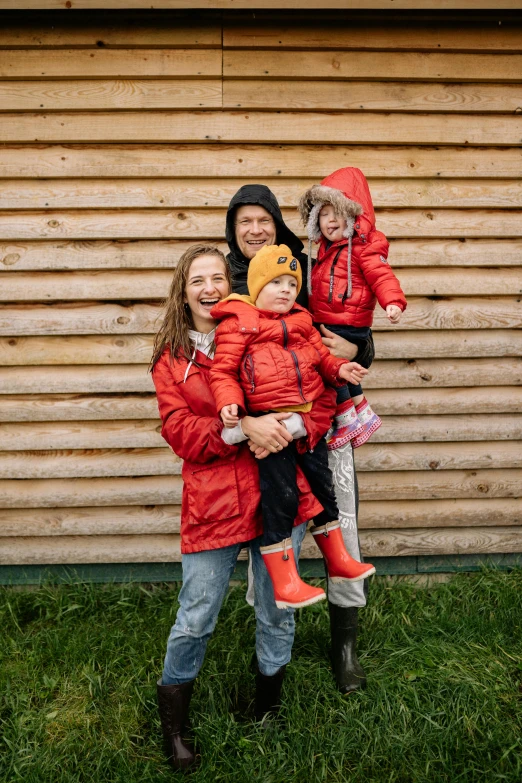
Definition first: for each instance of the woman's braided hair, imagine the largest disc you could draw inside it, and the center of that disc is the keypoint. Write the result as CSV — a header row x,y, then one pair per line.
x,y
178,319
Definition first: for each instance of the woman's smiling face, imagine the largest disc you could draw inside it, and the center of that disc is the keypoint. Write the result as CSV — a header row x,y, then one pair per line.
x,y
206,285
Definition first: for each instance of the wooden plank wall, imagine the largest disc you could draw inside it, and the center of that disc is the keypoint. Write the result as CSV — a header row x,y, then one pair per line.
x,y
123,143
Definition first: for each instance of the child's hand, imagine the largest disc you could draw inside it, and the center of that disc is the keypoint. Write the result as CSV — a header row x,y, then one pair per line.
x,y
352,372
394,313
229,415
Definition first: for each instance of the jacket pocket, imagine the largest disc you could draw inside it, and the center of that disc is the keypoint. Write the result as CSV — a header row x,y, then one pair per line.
x,y
212,493
248,368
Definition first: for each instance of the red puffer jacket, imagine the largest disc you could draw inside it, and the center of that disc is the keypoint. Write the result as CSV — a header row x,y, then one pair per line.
x,y
221,500
265,360
371,277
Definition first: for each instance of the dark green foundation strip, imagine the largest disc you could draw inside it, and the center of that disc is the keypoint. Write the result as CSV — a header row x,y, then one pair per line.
x,y
171,572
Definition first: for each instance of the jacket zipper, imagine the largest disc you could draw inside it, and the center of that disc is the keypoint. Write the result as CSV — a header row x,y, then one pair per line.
x,y
298,371
248,365
285,335
332,274
295,359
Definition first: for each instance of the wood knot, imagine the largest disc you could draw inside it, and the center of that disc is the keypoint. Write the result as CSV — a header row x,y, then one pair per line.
x,y
53,223
122,319
483,488
10,259
425,376
182,216
434,464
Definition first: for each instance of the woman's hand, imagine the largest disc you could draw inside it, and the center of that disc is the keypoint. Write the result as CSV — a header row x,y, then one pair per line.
x,y
258,451
352,372
267,431
338,346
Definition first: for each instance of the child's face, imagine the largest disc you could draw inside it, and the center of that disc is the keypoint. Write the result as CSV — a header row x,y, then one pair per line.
x,y
278,295
332,226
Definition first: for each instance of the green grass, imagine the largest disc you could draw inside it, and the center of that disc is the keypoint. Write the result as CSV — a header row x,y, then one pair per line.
x,y
444,698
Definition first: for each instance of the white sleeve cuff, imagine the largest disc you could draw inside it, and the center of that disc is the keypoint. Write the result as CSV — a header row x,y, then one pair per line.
x,y
295,426
233,435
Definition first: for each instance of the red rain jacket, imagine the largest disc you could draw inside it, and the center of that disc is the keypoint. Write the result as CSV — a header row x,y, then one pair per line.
x,y
221,500
265,361
372,277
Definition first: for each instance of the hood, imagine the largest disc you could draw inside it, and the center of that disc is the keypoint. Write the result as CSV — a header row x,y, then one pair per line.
x,y
348,191
241,306
230,306
256,194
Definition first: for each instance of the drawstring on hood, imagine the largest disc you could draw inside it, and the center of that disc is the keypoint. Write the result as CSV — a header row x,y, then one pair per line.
x,y
202,342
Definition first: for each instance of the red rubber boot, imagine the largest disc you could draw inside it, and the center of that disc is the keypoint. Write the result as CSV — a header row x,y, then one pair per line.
x,y
289,589
340,565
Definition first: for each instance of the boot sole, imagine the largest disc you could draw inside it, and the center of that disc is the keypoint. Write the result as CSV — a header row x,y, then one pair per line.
x,y
337,579
300,604
360,440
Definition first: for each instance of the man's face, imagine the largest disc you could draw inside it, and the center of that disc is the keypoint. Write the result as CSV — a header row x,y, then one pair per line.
x,y
254,228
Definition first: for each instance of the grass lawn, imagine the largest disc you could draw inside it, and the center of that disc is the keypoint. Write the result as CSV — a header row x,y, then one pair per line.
x,y
444,698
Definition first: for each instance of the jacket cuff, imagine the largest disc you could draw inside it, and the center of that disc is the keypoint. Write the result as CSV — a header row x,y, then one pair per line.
x,y
295,426
233,435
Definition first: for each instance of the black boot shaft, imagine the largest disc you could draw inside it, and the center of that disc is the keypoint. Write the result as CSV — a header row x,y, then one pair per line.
x,y
268,693
349,674
173,705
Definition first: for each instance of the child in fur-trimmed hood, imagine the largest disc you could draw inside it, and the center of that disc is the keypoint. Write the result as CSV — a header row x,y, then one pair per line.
x,y
350,275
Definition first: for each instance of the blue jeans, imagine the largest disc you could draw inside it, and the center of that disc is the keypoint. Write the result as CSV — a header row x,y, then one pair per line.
x,y
206,576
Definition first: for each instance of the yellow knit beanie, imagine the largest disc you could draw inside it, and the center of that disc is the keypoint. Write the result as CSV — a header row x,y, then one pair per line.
x,y
270,262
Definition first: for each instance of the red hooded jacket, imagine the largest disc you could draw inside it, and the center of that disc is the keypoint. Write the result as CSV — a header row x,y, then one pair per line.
x,y
372,279
266,361
220,504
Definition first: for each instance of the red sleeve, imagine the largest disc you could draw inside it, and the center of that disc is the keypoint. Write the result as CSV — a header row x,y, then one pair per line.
x,y
192,437
330,365
224,374
378,273
319,419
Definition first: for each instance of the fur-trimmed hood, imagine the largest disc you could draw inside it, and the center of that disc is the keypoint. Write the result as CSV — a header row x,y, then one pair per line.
x,y
347,190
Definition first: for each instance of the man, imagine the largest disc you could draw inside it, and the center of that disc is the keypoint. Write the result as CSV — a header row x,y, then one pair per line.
x,y
254,220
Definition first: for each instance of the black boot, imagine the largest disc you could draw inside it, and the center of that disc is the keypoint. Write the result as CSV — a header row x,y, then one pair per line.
x,y
349,674
268,693
173,704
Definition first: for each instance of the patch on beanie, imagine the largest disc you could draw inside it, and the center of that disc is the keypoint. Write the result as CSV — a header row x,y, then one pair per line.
x,y
281,260
293,265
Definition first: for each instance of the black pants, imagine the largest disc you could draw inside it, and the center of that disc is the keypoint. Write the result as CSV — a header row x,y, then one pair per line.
x,y
279,493
361,336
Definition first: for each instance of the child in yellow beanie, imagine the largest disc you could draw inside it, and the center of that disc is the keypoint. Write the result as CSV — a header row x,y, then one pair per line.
x,y
269,357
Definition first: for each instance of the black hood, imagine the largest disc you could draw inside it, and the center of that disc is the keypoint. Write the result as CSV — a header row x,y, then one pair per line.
x,y
256,194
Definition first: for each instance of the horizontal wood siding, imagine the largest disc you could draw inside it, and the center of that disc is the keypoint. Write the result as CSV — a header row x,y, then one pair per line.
x,y
122,143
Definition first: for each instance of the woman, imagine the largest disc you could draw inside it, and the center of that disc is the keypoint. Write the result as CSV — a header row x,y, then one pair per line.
x,y
220,510
253,220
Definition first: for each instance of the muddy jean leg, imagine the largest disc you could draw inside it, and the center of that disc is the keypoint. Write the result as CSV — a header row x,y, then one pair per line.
x,y
274,627
206,576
